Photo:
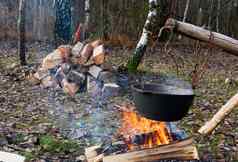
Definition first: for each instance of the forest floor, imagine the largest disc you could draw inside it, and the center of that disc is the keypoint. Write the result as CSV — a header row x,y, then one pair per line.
x,y
28,128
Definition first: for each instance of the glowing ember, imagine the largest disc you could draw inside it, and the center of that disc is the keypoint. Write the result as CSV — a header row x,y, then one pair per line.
x,y
141,132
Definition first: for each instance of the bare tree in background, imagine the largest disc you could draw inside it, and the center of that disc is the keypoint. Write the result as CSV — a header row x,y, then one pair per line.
x,y
186,11
87,19
218,15
185,15
22,33
210,14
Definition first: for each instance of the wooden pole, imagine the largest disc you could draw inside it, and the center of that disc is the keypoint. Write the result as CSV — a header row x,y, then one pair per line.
x,y
22,33
227,43
219,116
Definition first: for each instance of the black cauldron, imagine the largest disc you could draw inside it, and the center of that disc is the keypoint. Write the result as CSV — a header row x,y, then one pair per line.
x,y
163,102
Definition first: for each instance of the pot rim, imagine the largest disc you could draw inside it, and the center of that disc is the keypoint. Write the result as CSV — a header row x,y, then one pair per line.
x,y
183,91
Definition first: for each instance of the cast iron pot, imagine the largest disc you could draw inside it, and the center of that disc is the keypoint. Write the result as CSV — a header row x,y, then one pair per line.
x,y
162,102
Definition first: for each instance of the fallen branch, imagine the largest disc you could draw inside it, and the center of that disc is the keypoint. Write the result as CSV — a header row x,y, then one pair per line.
x,y
227,43
219,116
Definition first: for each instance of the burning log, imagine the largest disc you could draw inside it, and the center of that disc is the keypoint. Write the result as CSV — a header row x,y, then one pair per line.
x,y
180,150
227,43
219,116
143,140
183,150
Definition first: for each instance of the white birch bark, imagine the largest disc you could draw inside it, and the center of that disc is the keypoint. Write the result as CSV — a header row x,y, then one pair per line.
x,y
186,11
147,32
185,15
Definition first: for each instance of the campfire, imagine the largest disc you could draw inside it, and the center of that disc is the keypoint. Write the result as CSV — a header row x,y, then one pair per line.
x,y
143,140
140,132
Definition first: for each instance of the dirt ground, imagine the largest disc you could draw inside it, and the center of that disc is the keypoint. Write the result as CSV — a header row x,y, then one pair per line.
x,y
27,126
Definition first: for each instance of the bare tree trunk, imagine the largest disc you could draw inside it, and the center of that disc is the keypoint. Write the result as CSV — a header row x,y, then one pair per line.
x,y
87,19
186,11
22,33
185,15
104,25
149,27
200,18
210,15
218,15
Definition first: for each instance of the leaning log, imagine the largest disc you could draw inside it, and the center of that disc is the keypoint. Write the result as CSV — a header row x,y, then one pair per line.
x,y
227,43
219,116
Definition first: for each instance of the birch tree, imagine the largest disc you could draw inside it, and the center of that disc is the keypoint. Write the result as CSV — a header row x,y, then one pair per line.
x,y
185,15
22,33
149,28
186,11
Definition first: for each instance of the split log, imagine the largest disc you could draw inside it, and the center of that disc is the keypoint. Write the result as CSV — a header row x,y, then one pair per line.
x,y
95,71
70,88
91,152
48,82
96,43
85,54
77,49
219,116
57,57
99,55
10,157
227,43
182,150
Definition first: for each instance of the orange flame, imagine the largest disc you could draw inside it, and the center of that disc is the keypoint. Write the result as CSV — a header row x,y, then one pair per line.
x,y
153,133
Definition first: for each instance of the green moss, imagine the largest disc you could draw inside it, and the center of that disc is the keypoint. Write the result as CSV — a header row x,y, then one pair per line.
x,y
53,145
29,156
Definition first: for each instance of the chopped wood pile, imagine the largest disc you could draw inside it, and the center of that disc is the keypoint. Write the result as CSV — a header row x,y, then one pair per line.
x,y
72,68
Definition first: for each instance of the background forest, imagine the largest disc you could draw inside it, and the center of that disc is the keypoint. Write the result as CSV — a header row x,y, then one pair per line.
x,y
117,17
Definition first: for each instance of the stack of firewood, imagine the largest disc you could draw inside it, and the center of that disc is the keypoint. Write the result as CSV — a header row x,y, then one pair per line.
x,y
70,67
